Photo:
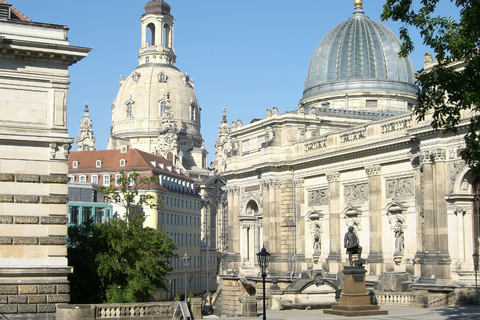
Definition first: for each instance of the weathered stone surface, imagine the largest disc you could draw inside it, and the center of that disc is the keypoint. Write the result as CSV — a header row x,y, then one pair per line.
x,y
45,308
8,308
26,199
25,220
63,288
54,199
60,178
6,198
8,289
26,241
46,289
6,219
27,178
56,298
39,298
7,177
17,299
6,240
52,241
27,308
4,299
27,289
53,220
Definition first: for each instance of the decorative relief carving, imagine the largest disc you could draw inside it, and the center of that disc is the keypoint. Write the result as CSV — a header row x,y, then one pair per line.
x,y
271,184
397,125
233,190
255,196
431,156
353,135
299,183
401,187
356,192
453,169
373,169
333,176
352,217
318,197
316,145
460,210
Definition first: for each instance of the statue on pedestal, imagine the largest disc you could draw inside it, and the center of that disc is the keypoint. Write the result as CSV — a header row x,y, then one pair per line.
x,y
352,245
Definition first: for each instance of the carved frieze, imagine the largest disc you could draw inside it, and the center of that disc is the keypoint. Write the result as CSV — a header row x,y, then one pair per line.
x,y
356,192
373,169
397,125
353,135
400,187
316,145
270,184
318,197
453,169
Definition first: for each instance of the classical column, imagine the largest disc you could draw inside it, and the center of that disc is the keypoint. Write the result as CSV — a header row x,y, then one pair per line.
x,y
375,257
334,258
435,260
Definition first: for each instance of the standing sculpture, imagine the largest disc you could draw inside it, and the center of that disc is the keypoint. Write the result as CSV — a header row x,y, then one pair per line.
x,y
317,246
399,239
352,245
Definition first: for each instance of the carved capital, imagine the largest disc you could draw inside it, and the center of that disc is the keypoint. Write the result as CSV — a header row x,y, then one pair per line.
x,y
333,176
373,170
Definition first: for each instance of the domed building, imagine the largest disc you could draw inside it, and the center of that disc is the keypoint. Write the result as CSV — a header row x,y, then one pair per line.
x,y
156,109
353,155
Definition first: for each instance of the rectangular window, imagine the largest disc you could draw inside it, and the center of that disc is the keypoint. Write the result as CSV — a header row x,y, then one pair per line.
x,y
99,215
83,179
106,180
94,179
73,215
117,176
372,103
86,214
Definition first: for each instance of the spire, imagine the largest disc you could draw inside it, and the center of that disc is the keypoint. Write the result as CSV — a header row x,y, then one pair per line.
x,y
85,138
358,4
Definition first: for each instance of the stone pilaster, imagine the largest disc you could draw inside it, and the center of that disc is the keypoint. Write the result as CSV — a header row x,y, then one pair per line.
x,y
334,258
435,260
375,257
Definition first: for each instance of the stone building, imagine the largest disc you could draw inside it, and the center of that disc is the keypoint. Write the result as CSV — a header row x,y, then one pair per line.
x,y
353,154
34,148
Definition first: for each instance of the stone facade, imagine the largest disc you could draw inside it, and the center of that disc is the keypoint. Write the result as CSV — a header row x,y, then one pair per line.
x,y
296,182
34,60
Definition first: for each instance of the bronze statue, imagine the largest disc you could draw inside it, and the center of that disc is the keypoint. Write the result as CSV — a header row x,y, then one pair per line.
x,y
352,245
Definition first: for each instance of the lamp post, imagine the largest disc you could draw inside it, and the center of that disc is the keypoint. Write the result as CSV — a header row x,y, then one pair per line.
x,y
263,261
186,262
475,267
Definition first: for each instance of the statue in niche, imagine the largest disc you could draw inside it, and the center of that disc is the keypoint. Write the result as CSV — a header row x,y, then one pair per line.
x,y
352,245
399,239
317,245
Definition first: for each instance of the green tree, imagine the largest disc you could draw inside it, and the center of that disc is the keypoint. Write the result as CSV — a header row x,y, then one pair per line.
x,y
127,262
443,90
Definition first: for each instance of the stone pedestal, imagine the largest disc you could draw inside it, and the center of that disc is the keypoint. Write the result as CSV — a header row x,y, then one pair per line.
x,y
196,308
354,300
249,306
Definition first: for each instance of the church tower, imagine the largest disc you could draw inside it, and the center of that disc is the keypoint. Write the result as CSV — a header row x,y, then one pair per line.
x,y
156,109
86,139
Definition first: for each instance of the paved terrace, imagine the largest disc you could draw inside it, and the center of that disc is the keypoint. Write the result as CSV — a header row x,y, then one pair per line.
x,y
461,312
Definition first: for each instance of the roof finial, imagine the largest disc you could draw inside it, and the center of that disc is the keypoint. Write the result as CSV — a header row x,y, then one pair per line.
x,y
358,3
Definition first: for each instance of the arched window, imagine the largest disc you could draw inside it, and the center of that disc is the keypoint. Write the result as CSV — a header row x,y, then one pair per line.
x,y
151,33
193,113
163,106
166,36
162,77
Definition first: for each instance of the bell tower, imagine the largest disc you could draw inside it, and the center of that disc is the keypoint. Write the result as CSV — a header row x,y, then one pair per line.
x,y
157,34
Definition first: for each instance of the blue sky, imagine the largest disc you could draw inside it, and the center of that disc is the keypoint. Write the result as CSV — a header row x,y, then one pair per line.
x,y
245,55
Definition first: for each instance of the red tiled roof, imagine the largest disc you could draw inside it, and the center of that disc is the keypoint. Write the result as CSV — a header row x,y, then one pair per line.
x,y
17,13
134,160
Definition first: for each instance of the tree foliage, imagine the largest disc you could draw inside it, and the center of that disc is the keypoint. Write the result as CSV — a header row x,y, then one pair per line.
x,y
443,90
120,260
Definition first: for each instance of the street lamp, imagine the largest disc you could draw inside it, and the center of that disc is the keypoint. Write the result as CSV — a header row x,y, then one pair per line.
x,y
186,262
475,267
263,260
